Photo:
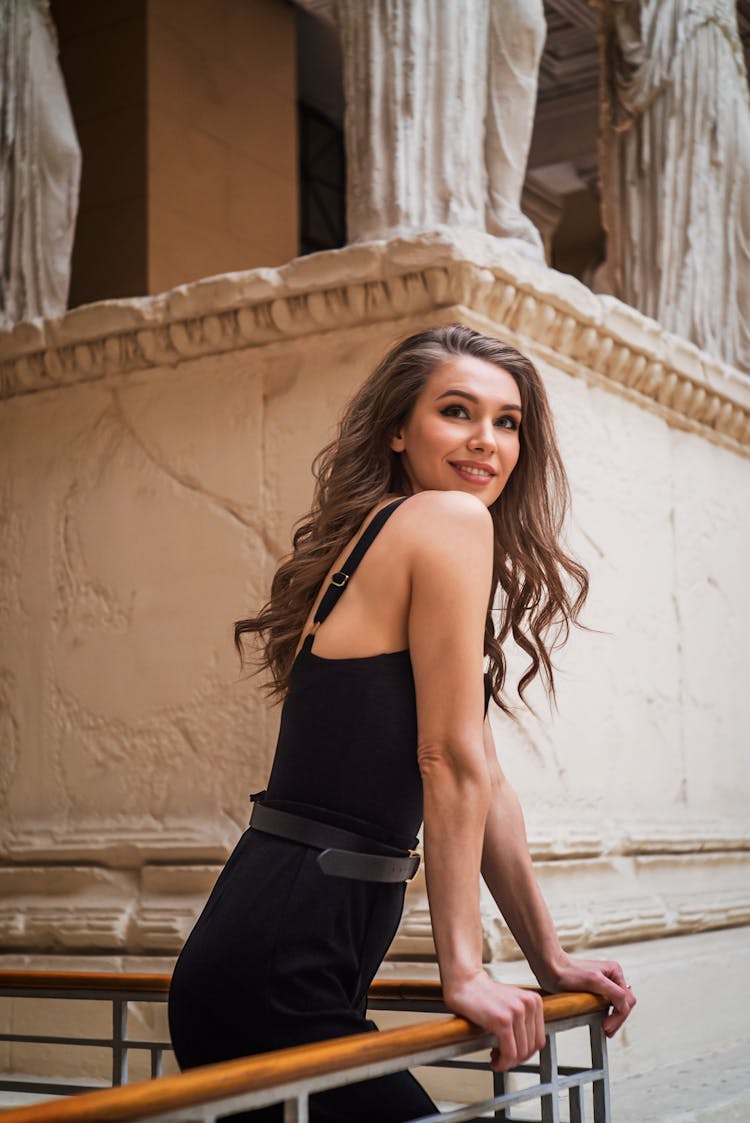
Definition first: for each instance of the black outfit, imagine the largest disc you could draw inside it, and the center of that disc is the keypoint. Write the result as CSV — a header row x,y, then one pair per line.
x,y
284,954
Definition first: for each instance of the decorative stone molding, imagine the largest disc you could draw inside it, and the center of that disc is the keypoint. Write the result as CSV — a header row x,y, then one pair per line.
x,y
593,902
620,921
115,847
119,848
551,315
693,838
162,928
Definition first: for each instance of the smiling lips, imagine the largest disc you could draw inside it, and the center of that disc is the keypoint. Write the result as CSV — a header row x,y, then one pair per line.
x,y
471,472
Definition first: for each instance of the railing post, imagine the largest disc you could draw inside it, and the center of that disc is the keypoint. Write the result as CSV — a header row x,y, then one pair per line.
x,y
600,1088
498,1089
296,1110
576,1106
157,1062
548,1075
119,1037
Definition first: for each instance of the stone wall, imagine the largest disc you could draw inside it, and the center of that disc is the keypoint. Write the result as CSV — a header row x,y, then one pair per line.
x,y
155,453
187,119
222,138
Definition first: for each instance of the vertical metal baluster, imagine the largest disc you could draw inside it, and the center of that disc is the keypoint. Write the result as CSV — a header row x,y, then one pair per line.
x,y
157,1062
548,1075
295,1111
119,1038
576,1108
498,1089
600,1088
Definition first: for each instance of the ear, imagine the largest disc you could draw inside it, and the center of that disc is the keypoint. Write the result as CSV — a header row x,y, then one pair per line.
x,y
397,441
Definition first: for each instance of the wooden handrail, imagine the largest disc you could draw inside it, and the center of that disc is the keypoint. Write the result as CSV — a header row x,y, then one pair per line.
x,y
396,989
402,990
232,1078
85,980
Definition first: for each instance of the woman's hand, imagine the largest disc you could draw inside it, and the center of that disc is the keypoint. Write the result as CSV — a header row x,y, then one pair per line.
x,y
599,976
512,1014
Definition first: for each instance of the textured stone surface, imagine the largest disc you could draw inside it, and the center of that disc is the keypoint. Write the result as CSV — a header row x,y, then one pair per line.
x,y
138,718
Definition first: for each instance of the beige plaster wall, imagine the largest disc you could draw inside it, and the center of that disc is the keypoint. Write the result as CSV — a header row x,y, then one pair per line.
x,y
154,456
222,138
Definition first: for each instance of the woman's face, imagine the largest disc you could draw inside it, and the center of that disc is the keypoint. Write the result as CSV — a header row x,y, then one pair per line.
x,y
463,433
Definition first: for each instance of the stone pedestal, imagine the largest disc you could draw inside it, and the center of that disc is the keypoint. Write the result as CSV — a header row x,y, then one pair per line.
x,y
155,453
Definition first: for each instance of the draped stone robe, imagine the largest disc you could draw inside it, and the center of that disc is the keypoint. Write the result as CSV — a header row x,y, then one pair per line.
x,y
40,166
676,168
440,101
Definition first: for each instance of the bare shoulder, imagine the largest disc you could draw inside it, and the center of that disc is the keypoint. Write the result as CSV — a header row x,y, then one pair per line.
x,y
440,528
450,575
433,519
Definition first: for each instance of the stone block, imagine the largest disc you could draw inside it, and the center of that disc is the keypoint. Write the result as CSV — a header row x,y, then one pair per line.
x,y
187,170
253,190
182,248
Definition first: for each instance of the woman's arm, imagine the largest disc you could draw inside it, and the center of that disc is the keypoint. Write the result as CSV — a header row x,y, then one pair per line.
x,y
507,869
451,573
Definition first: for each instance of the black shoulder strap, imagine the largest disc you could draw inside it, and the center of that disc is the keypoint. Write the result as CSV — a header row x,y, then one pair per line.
x,y
340,578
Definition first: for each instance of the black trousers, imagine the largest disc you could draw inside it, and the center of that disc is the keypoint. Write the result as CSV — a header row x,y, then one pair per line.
x,y
283,955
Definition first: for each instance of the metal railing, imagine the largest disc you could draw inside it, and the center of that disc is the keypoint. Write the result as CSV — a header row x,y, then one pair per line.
x,y
117,989
292,1076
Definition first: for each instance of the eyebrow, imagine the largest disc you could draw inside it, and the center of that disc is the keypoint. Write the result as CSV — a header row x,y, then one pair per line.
x,y
471,398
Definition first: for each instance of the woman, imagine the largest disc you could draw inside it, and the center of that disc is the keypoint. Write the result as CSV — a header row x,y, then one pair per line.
x,y
444,481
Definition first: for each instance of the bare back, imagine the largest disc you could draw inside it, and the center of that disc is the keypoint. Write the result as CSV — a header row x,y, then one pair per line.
x,y
373,616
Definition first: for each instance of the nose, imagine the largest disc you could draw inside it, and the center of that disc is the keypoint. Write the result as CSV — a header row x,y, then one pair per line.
x,y
483,435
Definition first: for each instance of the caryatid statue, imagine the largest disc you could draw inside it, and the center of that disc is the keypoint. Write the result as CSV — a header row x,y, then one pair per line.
x,y
440,100
676,167
40,166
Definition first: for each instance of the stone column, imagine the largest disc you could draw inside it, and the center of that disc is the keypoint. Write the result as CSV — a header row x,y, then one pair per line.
x,y
676,168
516,33
440,104
40,166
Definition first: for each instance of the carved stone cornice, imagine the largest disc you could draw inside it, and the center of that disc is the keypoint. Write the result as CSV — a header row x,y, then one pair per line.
x,y
549,314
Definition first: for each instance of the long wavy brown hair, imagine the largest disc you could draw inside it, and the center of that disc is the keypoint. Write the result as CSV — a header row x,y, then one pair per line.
x,y
542,588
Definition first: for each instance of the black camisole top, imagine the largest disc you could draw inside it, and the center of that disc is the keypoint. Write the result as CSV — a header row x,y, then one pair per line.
x,y
347,747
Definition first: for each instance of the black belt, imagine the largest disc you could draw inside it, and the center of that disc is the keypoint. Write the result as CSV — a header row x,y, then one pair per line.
x,y
343,853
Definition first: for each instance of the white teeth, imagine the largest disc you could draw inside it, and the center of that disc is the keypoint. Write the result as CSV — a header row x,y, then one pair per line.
x,y
473,471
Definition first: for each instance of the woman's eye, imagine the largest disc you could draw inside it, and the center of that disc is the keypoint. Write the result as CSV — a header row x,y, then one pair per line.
x,y
507,421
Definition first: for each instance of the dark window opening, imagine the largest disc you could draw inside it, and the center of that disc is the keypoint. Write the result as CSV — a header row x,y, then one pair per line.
x,y
322,181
